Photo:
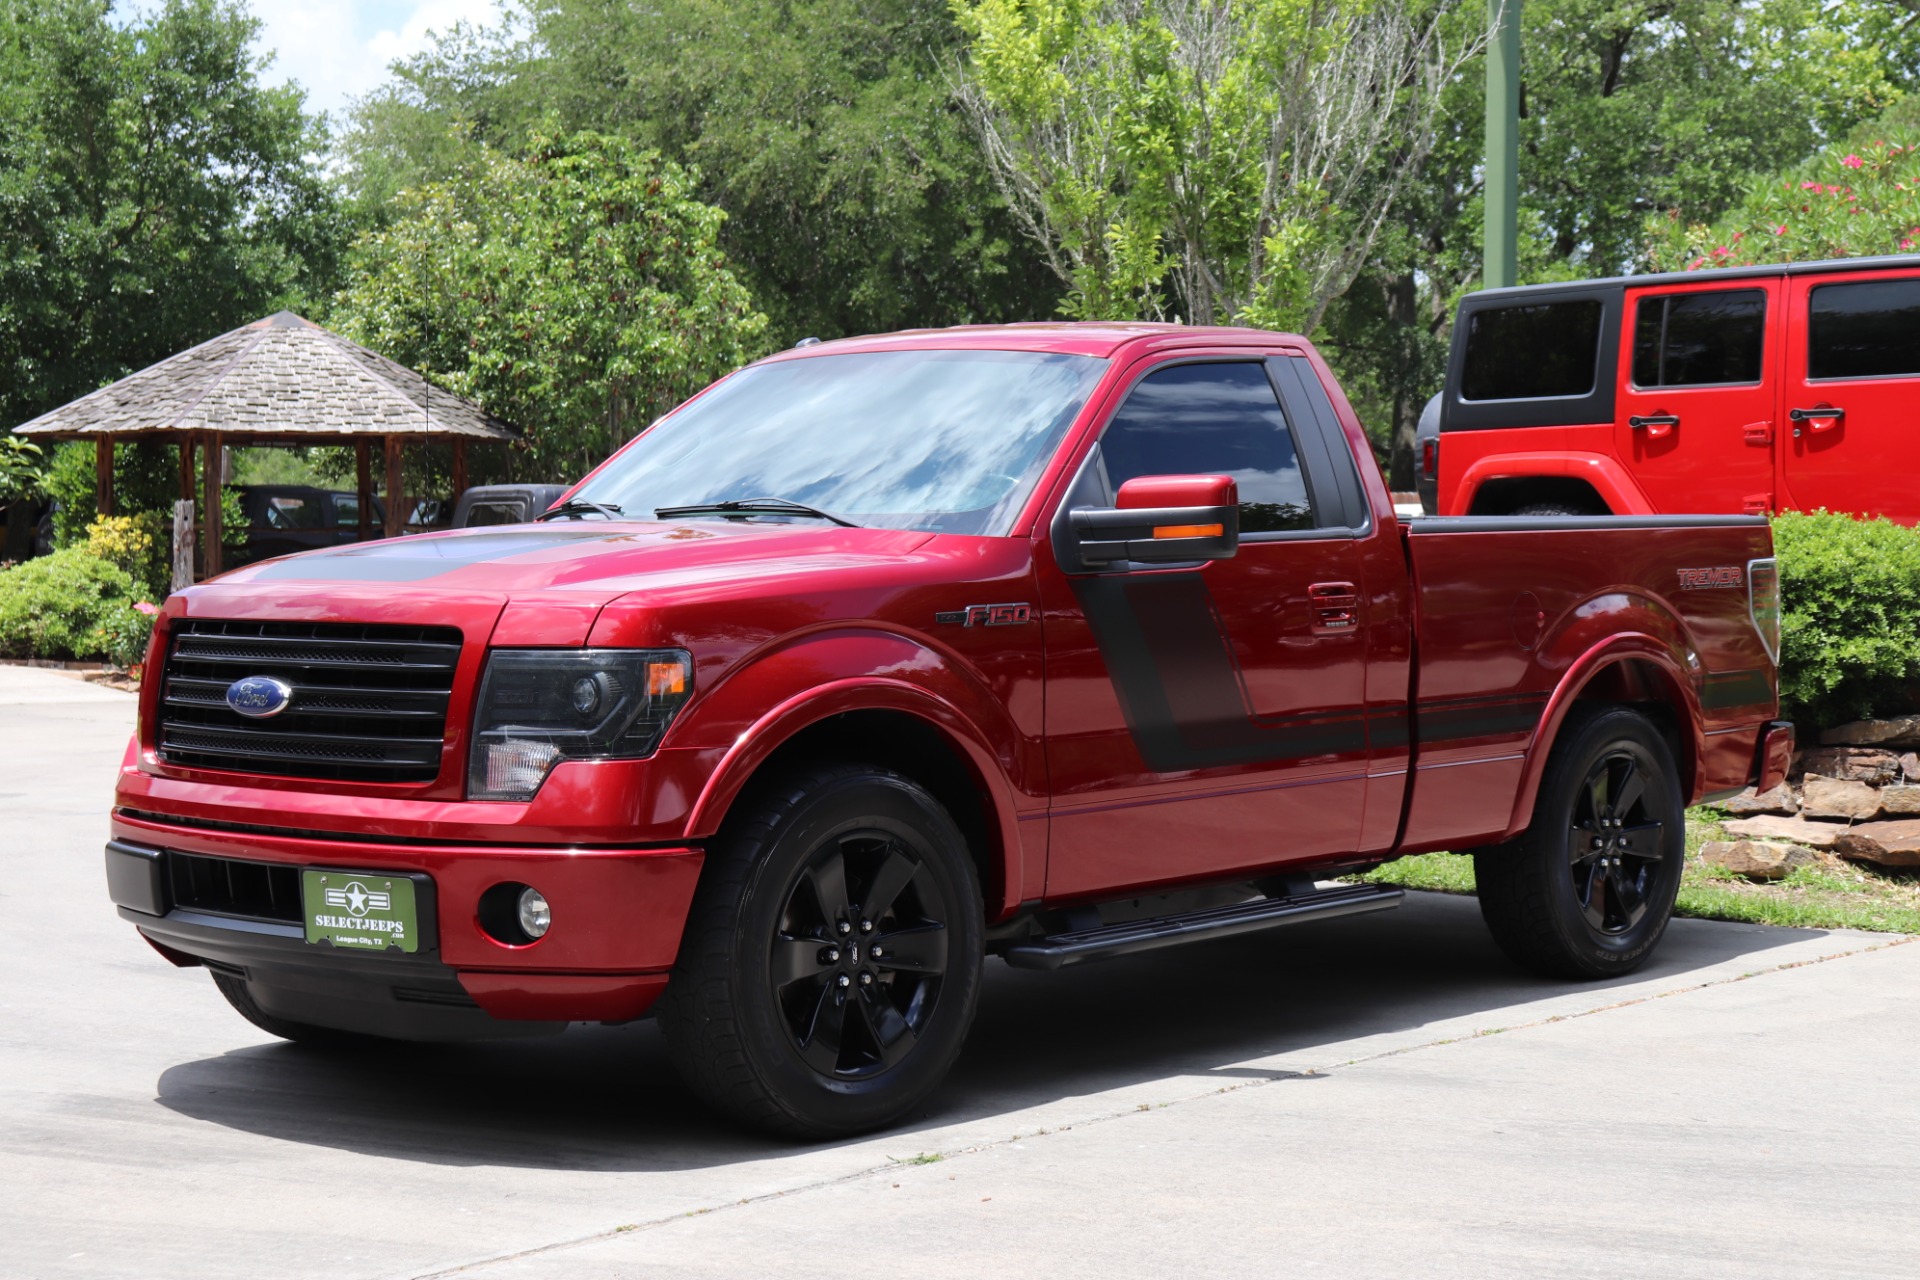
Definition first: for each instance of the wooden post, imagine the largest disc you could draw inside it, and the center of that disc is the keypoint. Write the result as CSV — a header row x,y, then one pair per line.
x,y
183,544
186,468
103,475
363,475
396,518
459,473
211,484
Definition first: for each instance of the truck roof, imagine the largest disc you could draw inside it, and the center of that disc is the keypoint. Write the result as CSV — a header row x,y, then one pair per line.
x,y
1081,337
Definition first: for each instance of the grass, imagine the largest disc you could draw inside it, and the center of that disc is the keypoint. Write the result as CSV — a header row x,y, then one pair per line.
x,y
1830,894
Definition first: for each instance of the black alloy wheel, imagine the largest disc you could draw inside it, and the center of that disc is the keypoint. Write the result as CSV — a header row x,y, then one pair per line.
x,y
1588,889
831,960
1616,845
859,954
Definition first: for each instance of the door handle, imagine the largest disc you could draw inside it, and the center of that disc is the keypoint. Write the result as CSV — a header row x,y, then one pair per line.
x,y
1758,432
1656,425
1336,607
1823,417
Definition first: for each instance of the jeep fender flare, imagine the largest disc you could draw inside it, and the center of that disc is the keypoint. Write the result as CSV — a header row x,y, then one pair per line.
x,y
1605,475
1666,658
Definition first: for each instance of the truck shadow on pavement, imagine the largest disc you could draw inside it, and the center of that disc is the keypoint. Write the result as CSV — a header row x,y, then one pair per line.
x,y
606,1098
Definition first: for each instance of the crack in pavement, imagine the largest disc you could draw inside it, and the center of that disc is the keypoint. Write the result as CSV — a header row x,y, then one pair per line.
x,y
1263,1079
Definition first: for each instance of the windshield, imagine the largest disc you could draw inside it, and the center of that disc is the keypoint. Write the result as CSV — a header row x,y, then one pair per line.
x,y
946,441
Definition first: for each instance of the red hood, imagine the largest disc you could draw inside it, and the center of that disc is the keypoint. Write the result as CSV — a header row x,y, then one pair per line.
x,y
591,562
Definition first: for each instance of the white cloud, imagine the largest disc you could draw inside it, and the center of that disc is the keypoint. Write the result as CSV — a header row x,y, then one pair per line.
x,y
338,50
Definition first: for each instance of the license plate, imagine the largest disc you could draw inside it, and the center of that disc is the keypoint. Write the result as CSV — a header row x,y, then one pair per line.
x,y
351,909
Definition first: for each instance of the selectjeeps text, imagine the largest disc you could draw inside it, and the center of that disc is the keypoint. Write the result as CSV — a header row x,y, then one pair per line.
x,y
881,656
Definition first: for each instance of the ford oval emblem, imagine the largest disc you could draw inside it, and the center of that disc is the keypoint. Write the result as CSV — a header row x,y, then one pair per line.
x,y
258,697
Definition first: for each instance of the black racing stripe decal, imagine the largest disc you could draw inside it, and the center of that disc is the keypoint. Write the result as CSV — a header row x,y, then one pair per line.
x,y
1448,720
1725,689
416,559
1179,685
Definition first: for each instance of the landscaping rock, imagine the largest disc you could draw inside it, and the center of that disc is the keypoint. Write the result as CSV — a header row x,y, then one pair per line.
x,y
1900,802
1813,835
1850,764
1833,798
1885,844
1780,800
1899,731
1910,766
1757,859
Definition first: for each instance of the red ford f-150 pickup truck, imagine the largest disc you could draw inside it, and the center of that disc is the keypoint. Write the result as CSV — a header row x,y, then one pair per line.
x,y
885,655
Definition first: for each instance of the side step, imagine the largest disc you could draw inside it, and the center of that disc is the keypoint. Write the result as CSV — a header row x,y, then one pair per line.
x,y
1056,950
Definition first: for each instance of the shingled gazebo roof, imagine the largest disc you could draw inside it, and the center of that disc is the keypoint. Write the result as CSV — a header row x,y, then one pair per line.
x,y
281,378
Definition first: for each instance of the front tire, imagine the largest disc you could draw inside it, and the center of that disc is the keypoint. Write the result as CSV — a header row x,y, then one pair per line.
x,y
832,958
1587,891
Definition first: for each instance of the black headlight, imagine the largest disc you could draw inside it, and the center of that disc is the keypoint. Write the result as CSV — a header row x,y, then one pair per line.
x,y
538,707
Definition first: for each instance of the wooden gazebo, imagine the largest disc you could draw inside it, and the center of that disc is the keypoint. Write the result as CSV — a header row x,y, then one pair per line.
x,y
278,381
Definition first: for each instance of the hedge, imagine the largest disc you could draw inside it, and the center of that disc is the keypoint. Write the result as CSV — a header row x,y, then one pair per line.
x,y
71,605
1850,617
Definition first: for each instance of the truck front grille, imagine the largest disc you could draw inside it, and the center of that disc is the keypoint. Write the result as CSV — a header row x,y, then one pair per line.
x,y
369,702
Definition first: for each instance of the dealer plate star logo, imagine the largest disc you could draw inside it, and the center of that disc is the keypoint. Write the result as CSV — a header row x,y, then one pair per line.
x,y
358,899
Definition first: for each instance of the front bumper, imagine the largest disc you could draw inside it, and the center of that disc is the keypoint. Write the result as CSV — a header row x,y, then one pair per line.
x,y
617,919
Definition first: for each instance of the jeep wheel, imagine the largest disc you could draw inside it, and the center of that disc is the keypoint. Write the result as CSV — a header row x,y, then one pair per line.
x,y
1588,890
832,958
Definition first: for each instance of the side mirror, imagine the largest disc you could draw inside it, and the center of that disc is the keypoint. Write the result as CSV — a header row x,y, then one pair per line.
x,y
1163,520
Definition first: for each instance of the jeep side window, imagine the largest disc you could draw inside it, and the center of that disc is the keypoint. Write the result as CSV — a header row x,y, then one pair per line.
x,y
1699,339
1870,329
1213,419
1533,351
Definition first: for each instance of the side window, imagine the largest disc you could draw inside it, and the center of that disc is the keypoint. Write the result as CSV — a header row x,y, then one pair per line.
x,y
1213,419
346,510
1699,339
1532,352
495,513
1865,330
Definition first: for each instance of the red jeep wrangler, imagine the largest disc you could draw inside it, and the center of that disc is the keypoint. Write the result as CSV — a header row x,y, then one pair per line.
x,y
1753,389
878,657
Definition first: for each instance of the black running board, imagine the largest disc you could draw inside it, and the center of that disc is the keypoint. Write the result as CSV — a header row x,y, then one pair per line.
x,y
1056,950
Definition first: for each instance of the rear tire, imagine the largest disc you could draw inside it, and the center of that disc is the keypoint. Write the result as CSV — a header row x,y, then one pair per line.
x,y
780,1013
1587,891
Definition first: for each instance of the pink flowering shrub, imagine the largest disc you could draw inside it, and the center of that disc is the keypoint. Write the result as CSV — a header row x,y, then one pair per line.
x,y
1863,202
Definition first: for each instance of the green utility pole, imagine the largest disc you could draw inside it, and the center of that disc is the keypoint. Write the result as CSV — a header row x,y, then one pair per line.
x,y
1501,265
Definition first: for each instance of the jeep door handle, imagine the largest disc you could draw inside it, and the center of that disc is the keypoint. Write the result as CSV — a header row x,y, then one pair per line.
x,y
1336,608
1655,425
1824,417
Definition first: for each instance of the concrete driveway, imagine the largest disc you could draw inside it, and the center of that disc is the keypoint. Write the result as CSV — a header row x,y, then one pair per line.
x,y
1384,1096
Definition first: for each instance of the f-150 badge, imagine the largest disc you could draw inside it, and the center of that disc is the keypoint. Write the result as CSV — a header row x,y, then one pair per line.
x,y
986,615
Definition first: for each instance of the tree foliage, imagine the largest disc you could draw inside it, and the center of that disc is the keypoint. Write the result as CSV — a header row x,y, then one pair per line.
x,y
576,291
825,130
1222,162
1858,196
152,192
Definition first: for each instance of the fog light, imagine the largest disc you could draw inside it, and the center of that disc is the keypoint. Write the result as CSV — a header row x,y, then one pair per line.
x,y
535,916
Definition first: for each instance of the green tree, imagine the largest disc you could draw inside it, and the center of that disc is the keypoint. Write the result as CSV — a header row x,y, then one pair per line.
x,y
152,192
576,291
1220,162
826,129
1858,196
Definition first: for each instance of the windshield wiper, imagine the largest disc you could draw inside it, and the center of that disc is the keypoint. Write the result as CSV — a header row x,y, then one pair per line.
x,y
751,506
574,508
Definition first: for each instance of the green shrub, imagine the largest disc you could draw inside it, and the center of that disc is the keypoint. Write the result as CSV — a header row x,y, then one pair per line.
x,y
50,607
121,635
1850,617
137,544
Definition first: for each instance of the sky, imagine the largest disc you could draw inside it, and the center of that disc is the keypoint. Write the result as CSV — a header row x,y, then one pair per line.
x,y
339,49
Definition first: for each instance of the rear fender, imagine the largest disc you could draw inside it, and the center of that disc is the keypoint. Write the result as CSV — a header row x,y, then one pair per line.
x,y
781,693
1605,475
1640,658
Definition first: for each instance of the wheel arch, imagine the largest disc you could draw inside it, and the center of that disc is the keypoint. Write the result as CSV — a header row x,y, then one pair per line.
x,y
1632,669
897,725
1500,483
